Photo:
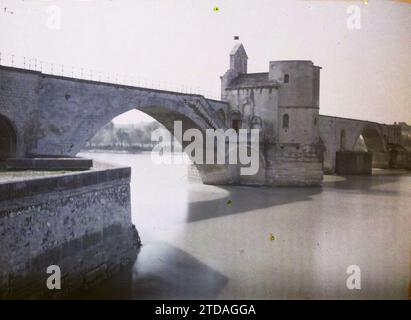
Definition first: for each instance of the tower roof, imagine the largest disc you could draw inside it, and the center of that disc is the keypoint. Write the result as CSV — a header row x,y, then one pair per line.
x,y
238,48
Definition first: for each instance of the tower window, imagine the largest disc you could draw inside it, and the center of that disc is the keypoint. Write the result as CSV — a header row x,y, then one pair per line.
x,y
286,78
286,121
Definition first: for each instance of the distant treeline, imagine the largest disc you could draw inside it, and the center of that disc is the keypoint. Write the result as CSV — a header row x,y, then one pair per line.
x,y
131,138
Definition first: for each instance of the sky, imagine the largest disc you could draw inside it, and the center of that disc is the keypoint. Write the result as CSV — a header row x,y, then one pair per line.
x,y
184,45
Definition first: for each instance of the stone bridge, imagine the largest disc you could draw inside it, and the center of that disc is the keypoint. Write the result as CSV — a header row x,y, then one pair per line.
x,y
45,115
56,116
53,116
341,134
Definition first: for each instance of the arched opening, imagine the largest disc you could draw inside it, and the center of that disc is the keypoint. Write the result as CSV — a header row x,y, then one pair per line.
x,y
126,139
370,140
360,144
189,113
286,121
129,132
286,78
7,139
236,121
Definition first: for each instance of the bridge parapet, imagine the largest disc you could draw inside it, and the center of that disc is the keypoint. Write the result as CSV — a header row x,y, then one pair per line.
x,y
85,73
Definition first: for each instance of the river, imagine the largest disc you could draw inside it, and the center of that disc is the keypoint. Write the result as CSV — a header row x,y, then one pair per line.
x,y
234,242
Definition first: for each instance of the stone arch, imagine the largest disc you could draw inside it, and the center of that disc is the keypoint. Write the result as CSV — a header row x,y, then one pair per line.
x,y
162,110
285,121
8,139
372,137
166,112
375,144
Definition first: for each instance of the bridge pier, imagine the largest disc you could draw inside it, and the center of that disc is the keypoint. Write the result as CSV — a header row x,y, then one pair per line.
x,y
353,163
378,160
278,165
381,159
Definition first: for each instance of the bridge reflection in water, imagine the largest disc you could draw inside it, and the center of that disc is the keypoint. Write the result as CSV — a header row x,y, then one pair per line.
x,y
211,242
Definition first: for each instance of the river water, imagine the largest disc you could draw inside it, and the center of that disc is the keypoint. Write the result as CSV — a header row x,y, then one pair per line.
x,y
233,242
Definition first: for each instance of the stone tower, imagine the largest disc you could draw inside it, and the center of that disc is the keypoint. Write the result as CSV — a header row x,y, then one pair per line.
x,y
298,100
238,65
284,104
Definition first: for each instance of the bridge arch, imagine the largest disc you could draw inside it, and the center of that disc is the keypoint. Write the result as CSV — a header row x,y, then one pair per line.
x,y
375,143
373,138
340,134
191,112
8,139
166,111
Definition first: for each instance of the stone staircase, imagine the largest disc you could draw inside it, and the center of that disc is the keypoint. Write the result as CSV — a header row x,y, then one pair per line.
x,y
203,109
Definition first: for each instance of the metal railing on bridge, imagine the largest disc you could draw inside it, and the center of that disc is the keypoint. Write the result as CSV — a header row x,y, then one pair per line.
x,y
34,64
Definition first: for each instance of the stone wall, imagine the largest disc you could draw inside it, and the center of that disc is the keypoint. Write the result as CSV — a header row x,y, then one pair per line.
x,y
293,165
303,81
256,102
78,221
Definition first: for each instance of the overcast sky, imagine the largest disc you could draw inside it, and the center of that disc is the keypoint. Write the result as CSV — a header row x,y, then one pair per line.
x,y
185,43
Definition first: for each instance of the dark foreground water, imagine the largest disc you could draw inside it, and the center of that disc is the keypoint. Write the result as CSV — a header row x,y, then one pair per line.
x,y
264,243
